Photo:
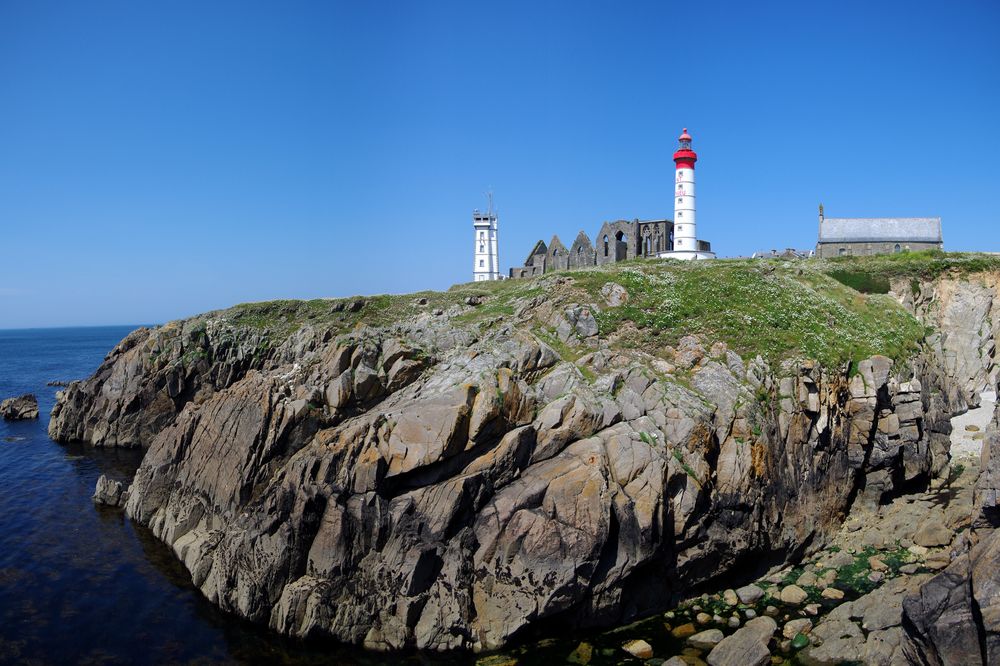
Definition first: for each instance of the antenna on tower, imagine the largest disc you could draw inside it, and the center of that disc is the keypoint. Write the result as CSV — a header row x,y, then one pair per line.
x,y
489,195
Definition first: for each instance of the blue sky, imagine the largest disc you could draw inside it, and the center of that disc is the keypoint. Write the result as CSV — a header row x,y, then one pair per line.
x,y
162,159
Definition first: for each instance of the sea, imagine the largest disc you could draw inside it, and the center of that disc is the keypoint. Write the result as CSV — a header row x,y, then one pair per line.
x,y
82,584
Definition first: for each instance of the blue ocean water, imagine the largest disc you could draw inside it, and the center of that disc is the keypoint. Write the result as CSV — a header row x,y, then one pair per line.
x,y
83,584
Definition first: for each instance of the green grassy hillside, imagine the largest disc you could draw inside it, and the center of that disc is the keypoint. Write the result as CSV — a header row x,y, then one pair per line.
x,y
833,311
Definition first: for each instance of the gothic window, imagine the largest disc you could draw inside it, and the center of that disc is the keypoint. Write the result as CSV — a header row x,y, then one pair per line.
x,y
842,251
648,247
605,245
897,248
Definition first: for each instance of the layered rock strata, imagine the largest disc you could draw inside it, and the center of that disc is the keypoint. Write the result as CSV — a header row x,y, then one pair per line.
x,y
429,485
955,617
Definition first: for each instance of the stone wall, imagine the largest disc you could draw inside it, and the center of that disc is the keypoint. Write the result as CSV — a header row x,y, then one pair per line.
x,y
827,250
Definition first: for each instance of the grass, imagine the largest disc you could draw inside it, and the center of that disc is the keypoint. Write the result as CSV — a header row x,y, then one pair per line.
x,y
755,308
834,311
861,281
926,264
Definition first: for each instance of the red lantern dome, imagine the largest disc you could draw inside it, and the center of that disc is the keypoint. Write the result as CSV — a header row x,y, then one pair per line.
x,y
685,158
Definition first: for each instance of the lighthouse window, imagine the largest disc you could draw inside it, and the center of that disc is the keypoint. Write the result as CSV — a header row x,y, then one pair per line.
x,y
680,213
480,263
482,234
482,248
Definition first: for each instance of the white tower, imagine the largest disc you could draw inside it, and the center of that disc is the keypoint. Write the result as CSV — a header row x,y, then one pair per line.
x,y
486,264
686,243
685,226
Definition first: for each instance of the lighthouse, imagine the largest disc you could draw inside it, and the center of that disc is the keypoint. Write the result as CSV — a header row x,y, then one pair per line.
x,y
486,254
686,243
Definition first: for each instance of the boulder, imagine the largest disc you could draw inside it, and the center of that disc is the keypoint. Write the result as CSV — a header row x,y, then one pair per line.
x,y
793,595
792,627
21,408
748,646
838,642
954,618
933,533
705,640
638,648
110,493
614,294
749,594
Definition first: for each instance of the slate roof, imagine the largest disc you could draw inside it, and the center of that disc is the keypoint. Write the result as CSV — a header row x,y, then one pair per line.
x,y
880,229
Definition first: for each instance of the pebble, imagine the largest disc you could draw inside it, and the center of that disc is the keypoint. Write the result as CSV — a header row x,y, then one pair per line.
x,y
750,613
793,594
706,640
876,564
876,576
832,593
639,649
808,579
749,594
812,609
582,655
703,618
734,621
729,596
909,568
771,611
793,627
683,631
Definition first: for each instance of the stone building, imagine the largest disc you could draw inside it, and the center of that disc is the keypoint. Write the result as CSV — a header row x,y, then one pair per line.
x,y
858,236
622,240
616,241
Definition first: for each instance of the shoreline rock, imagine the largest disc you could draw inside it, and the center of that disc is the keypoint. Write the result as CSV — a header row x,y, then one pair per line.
x,y
429,485
21,408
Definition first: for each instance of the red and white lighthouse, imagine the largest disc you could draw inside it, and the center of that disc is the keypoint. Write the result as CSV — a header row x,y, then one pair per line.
x,y
686,245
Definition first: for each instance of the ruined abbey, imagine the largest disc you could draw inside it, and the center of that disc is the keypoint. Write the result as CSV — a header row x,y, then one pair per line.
x,y
622,240
616,241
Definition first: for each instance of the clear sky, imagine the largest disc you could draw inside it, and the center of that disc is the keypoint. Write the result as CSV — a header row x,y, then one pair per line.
x,y
161,159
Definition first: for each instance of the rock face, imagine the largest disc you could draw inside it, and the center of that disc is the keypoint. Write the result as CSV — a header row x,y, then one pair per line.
x,y
148,378
110,493
429,485
20,408
747,647
965,316
955,617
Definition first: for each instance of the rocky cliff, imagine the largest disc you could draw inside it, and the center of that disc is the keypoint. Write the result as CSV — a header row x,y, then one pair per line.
x,y
452,470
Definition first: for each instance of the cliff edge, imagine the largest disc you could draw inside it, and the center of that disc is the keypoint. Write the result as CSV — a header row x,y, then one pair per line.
x,y
450,470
